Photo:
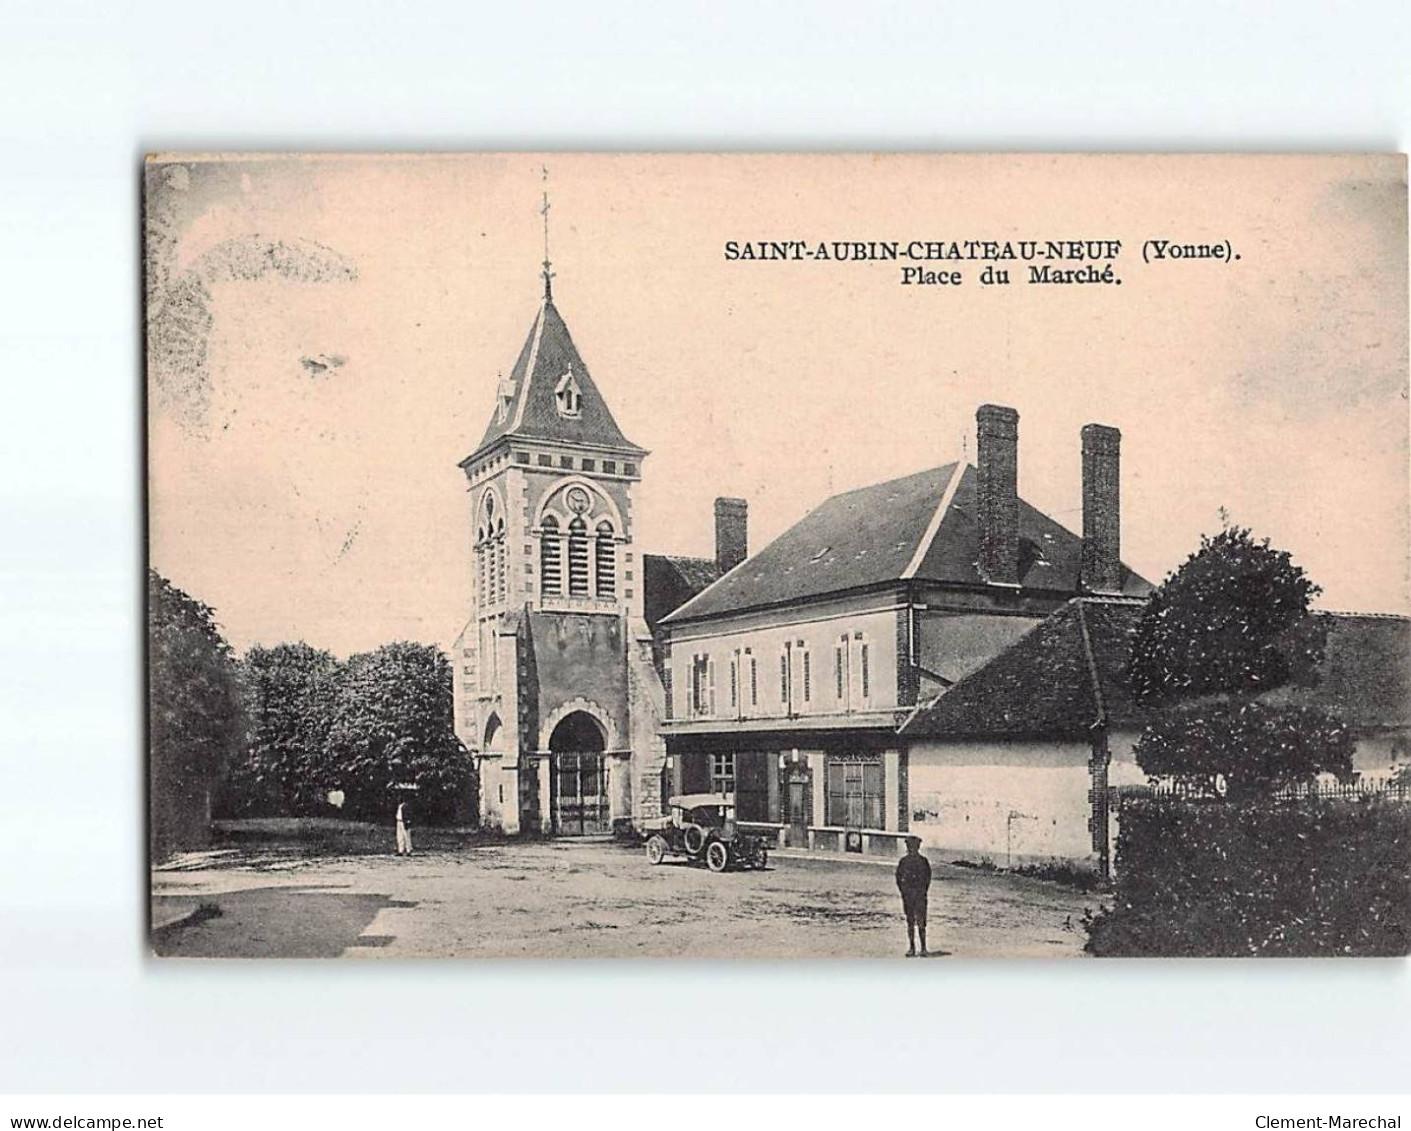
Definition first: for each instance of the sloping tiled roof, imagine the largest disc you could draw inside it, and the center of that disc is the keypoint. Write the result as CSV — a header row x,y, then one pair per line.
x,y
1055,683
669,582
548,354
1062,676
1365,675
870,536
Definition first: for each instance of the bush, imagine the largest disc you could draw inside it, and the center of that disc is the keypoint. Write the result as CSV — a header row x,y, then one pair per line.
x,y
1320,876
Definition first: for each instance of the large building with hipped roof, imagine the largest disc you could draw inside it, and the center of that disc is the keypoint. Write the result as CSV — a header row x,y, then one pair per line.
x,y
787,680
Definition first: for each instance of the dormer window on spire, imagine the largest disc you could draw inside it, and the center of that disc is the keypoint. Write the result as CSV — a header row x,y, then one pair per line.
x,y
568,395
504,398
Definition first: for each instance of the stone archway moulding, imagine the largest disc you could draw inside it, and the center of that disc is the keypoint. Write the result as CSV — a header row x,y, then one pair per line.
x,y
589,708
558,487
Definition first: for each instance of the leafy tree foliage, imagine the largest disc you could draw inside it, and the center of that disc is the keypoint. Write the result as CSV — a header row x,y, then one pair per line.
x,y
1256,747
289,691
194,713
392,725
1231,624
1233,619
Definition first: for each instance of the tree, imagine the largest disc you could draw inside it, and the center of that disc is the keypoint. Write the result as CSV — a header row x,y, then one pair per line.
x,y
1233,619
194,714
1230,625
392,725
289,692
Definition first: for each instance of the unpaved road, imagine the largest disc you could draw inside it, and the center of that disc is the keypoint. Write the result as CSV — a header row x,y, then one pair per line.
x,y
565,899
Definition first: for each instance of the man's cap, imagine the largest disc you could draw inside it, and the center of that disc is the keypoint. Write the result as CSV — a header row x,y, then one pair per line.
x,y
914,840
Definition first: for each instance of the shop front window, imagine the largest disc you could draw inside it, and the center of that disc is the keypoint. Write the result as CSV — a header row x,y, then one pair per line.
x,y
855,793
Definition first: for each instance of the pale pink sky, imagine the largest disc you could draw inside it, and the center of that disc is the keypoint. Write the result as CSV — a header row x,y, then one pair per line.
x,y
327,506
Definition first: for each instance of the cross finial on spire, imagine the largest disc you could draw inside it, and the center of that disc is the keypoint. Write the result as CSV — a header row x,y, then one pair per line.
x,y
548,266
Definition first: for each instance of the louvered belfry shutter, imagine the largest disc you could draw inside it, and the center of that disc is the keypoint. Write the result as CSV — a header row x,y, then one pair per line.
x,y
578,558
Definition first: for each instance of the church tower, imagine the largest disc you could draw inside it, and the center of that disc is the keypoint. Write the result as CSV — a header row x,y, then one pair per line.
x,y
541,666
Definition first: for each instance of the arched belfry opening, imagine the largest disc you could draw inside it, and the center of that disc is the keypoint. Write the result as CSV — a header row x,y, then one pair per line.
x,y
580,788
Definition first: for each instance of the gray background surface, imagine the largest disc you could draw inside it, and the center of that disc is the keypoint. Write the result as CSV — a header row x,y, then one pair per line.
x,y
86,88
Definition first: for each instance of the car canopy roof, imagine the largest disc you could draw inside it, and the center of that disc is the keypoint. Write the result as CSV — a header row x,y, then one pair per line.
x,y
701,800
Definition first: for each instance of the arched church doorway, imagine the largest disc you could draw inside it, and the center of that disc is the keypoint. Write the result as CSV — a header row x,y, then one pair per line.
x,y
580,800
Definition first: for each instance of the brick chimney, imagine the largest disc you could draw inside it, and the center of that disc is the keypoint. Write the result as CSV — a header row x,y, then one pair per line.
x,y
731,532
997,450
1102,510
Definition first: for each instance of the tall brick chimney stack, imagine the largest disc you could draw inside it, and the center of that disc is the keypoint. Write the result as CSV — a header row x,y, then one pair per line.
x,y
1102,509
731,532
997,450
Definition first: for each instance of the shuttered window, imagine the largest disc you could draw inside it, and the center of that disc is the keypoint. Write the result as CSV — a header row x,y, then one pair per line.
x,y
501,564
606,562
578,558
550,558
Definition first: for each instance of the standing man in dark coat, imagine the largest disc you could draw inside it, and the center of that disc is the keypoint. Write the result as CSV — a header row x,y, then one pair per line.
x,y
914,881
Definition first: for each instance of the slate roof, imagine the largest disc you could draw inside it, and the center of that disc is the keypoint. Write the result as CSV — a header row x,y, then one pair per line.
x,y
1065,674
1365,675
669,582
1069,672
547,355
870,536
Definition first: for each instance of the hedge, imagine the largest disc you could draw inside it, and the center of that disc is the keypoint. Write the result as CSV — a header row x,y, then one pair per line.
x,y
1313,876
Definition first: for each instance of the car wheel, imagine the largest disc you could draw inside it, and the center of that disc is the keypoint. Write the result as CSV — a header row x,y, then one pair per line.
x,y
693,839
656,849
717,856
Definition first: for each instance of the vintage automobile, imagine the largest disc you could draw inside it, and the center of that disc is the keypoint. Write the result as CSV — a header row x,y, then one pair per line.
x,y
701,827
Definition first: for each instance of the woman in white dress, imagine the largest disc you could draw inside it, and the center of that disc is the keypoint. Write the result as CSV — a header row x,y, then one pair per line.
x,y
404,830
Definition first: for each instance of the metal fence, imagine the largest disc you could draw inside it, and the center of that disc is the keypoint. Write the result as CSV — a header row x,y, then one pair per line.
x,y
1393,789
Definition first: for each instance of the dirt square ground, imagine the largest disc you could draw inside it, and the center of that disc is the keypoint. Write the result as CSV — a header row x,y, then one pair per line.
x,y
590,899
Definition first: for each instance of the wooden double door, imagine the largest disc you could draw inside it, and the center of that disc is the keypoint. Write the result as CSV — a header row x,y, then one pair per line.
x,y
580,795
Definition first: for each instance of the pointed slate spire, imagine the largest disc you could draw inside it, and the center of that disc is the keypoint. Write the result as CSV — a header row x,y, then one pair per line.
x,y
530,401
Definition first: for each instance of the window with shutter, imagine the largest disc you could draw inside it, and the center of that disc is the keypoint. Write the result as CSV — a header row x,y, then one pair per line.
x,y
550,558
501,566
578,558
606,562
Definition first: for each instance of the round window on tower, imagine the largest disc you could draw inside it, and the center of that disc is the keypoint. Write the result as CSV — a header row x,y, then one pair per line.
x,y
578,500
